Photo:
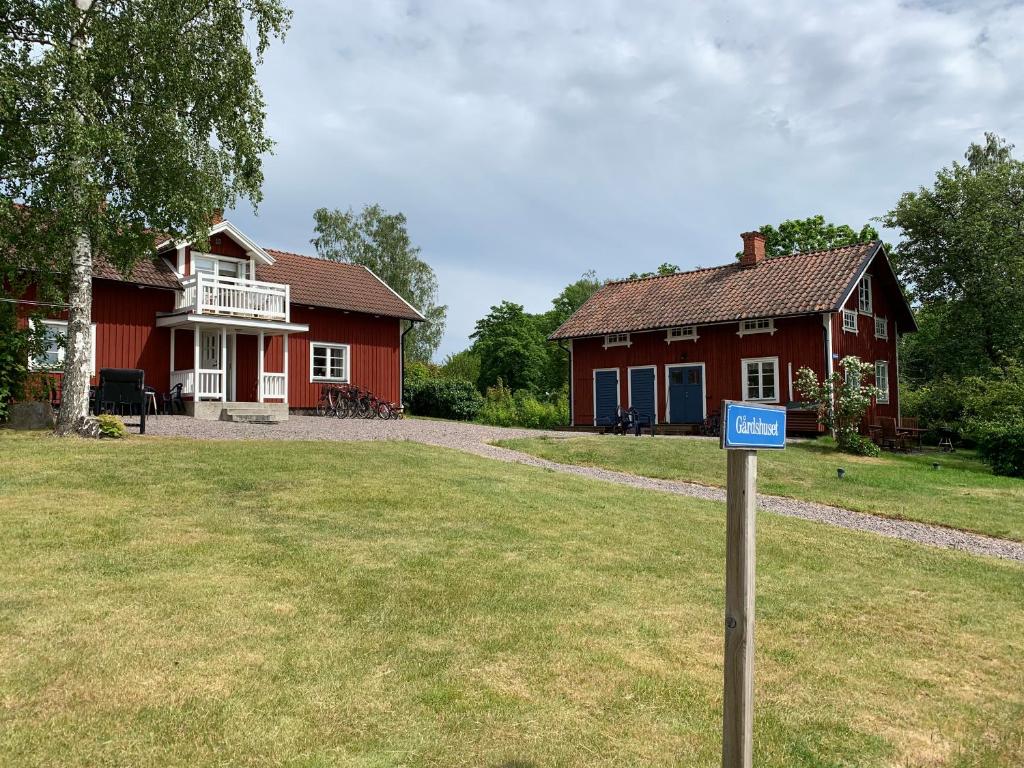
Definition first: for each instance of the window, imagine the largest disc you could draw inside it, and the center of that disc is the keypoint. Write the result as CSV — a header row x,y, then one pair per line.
x,y
328,362
849,320
864,295
882,380
52,357
211,265
881,328
761,325
760,379
686,333
617,340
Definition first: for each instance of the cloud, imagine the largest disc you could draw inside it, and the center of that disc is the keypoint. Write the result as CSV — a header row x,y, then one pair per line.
x,y
528,142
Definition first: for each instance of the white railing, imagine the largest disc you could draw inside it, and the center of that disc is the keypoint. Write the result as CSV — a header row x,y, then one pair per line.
x,y
210,382
212,295
275,386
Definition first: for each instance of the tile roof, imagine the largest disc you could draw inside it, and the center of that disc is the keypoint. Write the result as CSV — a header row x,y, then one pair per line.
x,y
152,270
801,283
323,283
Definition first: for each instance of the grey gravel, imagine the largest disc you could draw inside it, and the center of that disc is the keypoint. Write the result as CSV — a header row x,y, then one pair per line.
x,y
475,438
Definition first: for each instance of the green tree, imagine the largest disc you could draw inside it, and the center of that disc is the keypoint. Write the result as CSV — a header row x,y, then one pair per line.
x,y
379,241
572,297
463,365
962,250
119,119
663,269
511,347
811,234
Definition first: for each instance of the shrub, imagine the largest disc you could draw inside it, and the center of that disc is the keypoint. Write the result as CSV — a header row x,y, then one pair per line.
x,y
111,426
1001,446
442,398
842,401
17,345
505,408
859,445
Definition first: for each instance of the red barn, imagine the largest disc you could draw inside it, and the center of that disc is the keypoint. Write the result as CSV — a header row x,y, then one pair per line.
x,y
238,323
675,346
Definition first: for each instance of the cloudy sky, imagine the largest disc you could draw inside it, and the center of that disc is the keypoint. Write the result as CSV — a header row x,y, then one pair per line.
x,y
528,142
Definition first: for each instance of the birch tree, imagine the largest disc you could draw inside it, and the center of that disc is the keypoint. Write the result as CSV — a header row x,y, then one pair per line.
x,y
120,119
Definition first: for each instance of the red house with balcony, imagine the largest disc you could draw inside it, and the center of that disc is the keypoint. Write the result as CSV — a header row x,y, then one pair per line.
x,y
241,326
673,347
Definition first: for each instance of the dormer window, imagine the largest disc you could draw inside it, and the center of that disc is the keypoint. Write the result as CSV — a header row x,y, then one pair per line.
x,y
760,325
864,302
685,333
207,264
617,340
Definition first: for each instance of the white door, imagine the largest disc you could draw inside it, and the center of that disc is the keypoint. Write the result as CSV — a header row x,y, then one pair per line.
x,y
209,343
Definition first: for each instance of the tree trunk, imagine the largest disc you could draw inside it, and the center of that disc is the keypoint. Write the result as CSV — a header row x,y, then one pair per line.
x,y
78,344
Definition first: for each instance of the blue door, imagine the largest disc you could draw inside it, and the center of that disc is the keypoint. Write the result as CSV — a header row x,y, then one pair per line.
x,y
686,394
641,392
606,396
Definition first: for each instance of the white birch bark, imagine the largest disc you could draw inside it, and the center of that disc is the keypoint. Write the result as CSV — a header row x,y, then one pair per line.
x,y
78,345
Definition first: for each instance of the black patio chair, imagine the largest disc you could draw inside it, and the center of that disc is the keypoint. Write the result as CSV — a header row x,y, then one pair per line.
x,y
122,389
173,402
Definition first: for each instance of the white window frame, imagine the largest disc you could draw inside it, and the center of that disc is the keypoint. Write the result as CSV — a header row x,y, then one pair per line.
x,y
34,364
884,326
865,301
247,264
757,325
883,395
682,333
743,378
330,345
618,340
849,316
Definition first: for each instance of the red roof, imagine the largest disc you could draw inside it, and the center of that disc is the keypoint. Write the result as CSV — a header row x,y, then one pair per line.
x,y
798,284
332,284
152,271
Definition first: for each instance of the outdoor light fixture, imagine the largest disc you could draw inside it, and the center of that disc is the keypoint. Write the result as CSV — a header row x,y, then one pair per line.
x,y
935,465
841,473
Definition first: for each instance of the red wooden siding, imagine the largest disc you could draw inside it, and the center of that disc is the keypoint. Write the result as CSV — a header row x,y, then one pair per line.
x,y
796,341
863,343
373,344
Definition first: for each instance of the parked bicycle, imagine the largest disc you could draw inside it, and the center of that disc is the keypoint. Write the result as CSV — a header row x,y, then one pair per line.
x,y
348,401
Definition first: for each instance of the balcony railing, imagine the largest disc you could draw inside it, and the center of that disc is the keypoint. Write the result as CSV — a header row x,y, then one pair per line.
x,y
212,295
211,383
275,386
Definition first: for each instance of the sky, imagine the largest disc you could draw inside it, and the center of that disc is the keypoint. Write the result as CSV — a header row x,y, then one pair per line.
x,y
529,142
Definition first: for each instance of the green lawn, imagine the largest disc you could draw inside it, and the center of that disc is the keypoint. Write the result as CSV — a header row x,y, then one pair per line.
x,y
962,493
167,602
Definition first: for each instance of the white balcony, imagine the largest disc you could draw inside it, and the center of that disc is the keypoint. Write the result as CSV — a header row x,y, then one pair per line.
x,y
205,294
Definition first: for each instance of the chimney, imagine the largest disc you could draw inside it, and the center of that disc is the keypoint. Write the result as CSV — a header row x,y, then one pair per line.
x,y
753,249
217,217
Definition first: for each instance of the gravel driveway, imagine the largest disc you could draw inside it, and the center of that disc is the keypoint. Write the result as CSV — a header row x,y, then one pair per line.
x,y
474,438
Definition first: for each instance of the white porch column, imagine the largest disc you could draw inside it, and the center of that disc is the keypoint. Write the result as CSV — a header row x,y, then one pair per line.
x,y
173,334
196,358
259,367
223,364
285,398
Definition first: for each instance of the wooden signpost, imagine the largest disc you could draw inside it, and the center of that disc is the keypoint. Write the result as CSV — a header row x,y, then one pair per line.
x,y
746,429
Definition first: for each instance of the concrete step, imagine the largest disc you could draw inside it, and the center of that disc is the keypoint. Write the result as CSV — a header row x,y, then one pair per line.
x,y
249,416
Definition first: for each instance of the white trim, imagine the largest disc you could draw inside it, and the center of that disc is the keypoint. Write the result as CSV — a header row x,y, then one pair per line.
x,y
347,360
234,367
866,280
593,386
180,259
226,227
703,389
885,328
848,313
884,364
628,342
743,331
285,342
410,306
174,319
826,320
690,337
259,366
860,273
629,385
34,364
743,378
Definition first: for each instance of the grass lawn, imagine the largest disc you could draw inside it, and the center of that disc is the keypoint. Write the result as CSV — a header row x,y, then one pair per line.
x,y
963,493
171,602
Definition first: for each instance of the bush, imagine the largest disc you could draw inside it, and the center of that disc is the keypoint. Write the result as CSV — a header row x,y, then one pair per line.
x,y
859,445
442,398
1001,446
111,426
504,408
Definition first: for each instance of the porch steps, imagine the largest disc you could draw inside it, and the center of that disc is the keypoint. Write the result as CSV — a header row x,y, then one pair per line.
x,y
250,415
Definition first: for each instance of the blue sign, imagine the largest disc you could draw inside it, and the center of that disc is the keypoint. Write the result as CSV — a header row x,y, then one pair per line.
x,y
752,426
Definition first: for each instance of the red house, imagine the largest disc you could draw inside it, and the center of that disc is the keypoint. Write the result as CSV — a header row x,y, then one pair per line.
x,y
675,346
240,324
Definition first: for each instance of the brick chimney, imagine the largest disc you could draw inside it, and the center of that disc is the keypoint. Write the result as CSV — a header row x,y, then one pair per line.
x,y
218,216
753,249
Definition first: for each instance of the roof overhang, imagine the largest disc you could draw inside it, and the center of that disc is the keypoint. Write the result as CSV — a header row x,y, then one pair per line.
x,y
894,278
225,227
241,324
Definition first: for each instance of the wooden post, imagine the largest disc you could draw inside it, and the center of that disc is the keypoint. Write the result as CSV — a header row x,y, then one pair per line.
x,y
223,364
196,360
738,701
284,399
259,368
173,334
